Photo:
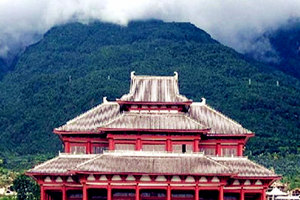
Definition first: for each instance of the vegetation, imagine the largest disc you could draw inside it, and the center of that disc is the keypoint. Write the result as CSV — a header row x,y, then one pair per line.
x,y
75,65
26,188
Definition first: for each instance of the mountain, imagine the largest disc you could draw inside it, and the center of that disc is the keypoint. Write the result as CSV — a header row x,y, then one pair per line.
x,y
284,48
286,41
75,65
2,68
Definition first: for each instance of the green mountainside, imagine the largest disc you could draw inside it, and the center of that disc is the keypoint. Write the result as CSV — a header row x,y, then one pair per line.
x,y
286,41
75,65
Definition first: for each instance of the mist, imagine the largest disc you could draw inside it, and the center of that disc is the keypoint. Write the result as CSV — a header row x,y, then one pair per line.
x,y
235,23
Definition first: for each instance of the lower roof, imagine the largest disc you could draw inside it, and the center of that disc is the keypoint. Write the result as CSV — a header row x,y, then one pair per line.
x,y
137,162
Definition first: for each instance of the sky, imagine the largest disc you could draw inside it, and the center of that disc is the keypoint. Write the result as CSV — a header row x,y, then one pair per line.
x,y
235,23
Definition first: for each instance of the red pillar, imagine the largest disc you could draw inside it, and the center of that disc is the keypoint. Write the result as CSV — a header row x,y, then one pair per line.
x,y
67,147
169,145
196,145
263,194
138,144
218,149
108,192
221,193
197,192
240,149
137,193
111,145
89,147
84,192
64,193
242,195
169,193
42,193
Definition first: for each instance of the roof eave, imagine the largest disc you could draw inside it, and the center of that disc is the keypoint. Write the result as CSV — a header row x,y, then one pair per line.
x,y
183,103
154,130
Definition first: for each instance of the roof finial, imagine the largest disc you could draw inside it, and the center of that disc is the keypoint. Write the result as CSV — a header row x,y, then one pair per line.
x,y
176,75
132,74
105,100
203,102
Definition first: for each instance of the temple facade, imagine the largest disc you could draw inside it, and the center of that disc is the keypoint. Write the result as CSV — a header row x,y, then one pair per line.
x,y
152,144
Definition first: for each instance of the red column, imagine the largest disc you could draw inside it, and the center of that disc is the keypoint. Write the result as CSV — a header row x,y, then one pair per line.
x,y
169,193
84,192
169,145
89,147
108,192
64,193
197,192
138,144
111,145
42,193
240,149
263,194
221,193
67,147
242,195
137,193
196,145
218,149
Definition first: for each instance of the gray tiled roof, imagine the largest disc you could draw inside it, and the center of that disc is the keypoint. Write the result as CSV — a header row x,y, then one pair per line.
x,y
147,162
154,89
218,122
93,119
160,164
61,164
155,121
245,167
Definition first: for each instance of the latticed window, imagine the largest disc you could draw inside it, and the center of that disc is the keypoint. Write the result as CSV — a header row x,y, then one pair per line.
x,y
154,147
125,147
229,151
98,149
208,150
78,149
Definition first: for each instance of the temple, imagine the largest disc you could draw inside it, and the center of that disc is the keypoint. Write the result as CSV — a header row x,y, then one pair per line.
x,y
152,144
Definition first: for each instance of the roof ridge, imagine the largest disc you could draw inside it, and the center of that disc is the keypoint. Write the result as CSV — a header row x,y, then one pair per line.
x,y
112,120
89,160
194,120
223,115
211,159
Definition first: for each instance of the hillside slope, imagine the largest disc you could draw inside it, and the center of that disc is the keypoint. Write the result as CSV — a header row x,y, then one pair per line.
x,y
74,66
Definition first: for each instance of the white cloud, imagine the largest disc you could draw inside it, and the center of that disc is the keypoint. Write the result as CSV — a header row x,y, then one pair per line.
x,y
235,23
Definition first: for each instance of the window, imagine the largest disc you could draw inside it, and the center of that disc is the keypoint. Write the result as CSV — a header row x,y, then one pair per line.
x,y
154,147
98,149
125,147
229,151
78,149
208,150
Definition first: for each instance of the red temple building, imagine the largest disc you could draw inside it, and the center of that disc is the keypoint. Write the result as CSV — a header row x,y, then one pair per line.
x,y
152,144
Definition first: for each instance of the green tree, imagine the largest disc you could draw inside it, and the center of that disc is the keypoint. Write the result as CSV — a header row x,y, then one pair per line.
x,y
26,188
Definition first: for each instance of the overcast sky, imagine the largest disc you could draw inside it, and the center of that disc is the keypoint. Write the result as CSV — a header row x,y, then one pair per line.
x,y
236,23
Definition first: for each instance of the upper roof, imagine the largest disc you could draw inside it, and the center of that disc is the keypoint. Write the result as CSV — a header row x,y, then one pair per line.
x,y
142,162
154,89
154,121
109,115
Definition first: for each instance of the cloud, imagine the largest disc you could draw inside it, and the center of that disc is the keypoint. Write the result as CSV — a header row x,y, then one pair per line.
x,y
236,23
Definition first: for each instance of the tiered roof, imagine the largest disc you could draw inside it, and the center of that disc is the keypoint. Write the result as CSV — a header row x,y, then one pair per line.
x,y
154,89
149,163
